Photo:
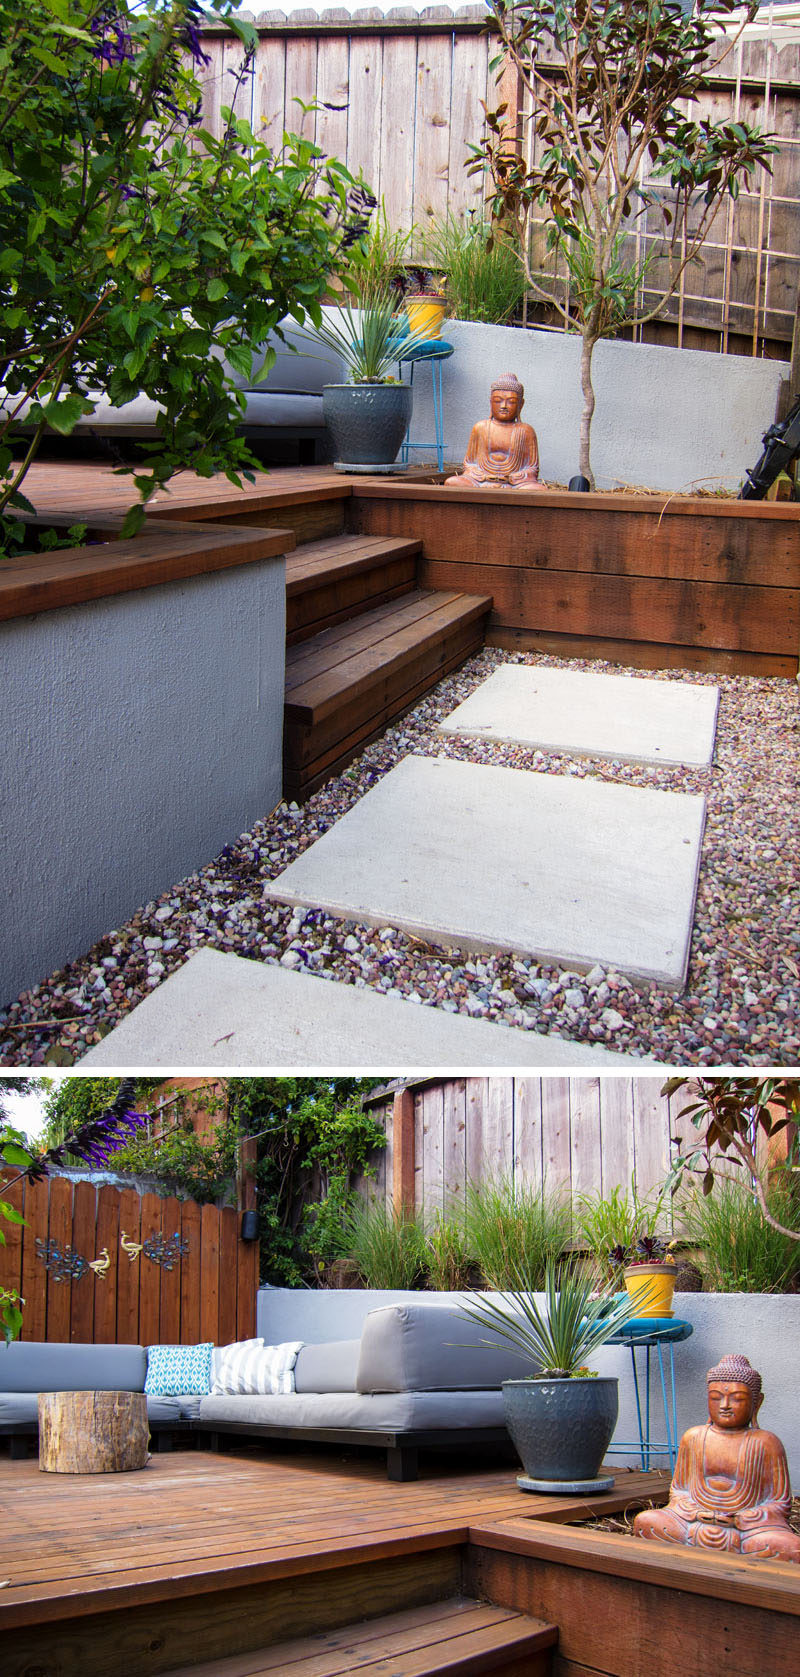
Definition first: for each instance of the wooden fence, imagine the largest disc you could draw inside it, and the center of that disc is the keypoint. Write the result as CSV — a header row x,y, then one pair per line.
x,y
399,98
111,1265
575,1135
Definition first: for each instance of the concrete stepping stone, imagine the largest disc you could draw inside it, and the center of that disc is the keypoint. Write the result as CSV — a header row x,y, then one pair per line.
x,y
590,714
570,871
220,1010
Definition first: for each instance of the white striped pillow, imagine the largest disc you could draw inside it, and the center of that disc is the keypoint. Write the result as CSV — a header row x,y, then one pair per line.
x,y
252,1368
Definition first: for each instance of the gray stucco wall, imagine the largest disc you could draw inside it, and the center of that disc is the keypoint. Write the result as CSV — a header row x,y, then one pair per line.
x,y
138,735
763,1327
665,418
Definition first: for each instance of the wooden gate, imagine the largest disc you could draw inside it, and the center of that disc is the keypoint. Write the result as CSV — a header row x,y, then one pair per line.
x,y
112,1265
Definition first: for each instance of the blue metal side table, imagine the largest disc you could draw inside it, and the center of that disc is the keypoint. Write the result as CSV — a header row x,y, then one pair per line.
x,y
433,351
646,1334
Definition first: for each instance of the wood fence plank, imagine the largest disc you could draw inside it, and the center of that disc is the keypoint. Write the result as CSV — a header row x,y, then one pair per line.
x,y
228,1274
363,128
247,1278
585,1135
170,1279
432,1138
455,1143
556,1135
528,1163
237,90
11,1249
84,1241
128,1267
105,1292
149,1272
301,86
269,91
212,86
333,95
498,1128
431,140
191,1234
476,1097
398,106
650,1133
209,1273
616,1133
400,1124
36,1280
467,124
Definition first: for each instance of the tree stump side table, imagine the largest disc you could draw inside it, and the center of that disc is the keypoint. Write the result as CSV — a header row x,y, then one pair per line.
x,y
93,1432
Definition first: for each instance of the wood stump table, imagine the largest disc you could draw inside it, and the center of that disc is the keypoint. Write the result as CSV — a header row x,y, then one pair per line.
x,y
92,1432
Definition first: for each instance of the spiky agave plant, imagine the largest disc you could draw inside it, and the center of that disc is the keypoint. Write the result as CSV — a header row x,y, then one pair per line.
x,y
575,1320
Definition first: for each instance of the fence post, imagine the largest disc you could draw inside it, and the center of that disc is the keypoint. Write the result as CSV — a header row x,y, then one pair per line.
x,y
403,1155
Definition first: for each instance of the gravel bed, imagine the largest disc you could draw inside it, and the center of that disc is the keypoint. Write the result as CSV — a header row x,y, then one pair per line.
x,y
741,1005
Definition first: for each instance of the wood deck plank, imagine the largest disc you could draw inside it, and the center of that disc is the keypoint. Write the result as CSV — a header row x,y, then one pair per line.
x,y
343,554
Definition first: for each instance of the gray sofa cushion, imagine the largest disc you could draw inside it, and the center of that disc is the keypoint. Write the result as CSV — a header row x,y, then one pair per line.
x,y
35,1366
22,1408
327,1368
391,1411
429,1347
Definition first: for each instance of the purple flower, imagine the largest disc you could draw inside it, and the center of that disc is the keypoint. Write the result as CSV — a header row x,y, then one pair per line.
x,y
116,44
95,1141
190,38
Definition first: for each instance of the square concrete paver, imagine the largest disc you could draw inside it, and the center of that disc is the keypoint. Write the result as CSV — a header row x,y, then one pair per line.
x,y
221,1010
591,714
569,871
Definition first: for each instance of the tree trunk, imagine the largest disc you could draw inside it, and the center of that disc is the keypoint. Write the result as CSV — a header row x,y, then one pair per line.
x,y
92,1432
587,351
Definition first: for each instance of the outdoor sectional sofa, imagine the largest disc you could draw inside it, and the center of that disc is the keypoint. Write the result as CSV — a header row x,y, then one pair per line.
x,y
418,1377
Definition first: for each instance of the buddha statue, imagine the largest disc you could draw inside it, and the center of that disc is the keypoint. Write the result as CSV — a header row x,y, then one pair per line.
x,y
730,1490
502,449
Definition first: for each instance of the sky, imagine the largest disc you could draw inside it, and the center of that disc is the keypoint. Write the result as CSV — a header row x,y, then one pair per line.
x,y
25,1113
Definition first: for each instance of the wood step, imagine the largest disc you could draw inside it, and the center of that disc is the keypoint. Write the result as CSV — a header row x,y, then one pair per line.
x,y
329,581
345,686
457,1638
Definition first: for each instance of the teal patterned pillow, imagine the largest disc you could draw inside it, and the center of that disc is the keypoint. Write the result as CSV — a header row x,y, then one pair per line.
x,y
178,1370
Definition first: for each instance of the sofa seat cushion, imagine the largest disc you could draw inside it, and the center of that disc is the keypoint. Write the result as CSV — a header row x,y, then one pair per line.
x,y
163,1410
385,1411
55,1366
424,1346
327,1368
18,1409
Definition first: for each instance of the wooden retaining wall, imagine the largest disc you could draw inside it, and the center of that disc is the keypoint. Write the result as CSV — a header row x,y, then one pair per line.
x,y
165,1270
658,582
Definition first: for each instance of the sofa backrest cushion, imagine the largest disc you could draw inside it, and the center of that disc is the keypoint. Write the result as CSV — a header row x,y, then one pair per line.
x,y
52,1366
430,1347
328,1368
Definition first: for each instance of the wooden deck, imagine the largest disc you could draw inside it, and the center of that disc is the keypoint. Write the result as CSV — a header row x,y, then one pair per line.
x,y
205,1562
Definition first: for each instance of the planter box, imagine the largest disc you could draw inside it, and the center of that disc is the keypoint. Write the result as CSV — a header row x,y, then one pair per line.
x,y
665,418
765,1327
654,581
141,717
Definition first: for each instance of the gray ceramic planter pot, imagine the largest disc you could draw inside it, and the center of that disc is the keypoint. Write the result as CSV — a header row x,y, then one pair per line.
x,y
367,422
561,1430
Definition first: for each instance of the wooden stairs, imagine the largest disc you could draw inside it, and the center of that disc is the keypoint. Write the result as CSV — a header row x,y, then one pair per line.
x,y
455,1638
364,643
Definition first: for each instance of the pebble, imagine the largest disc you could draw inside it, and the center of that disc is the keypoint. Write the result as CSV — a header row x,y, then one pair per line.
x,y
741,1005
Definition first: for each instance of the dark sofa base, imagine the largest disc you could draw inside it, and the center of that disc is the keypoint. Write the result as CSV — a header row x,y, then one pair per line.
x,y
402,1448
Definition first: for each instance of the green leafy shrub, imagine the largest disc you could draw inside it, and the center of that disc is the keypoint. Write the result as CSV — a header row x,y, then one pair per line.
x,y
514,1231
449,1263
615,1221
739,1251
137,249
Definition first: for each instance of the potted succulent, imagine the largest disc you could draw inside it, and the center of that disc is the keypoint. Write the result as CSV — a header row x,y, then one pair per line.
x,y
649,1271
425,302
369,415
561,1417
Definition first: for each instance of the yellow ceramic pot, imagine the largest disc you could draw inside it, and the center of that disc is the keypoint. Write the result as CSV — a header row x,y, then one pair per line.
x,y
652,1284
425,316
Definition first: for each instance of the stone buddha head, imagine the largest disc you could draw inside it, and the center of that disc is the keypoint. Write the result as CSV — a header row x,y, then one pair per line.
x,y
506,398
734,1394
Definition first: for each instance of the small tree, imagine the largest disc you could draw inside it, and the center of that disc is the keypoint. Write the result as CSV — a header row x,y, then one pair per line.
x,y
136,248
732,1114
604,80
